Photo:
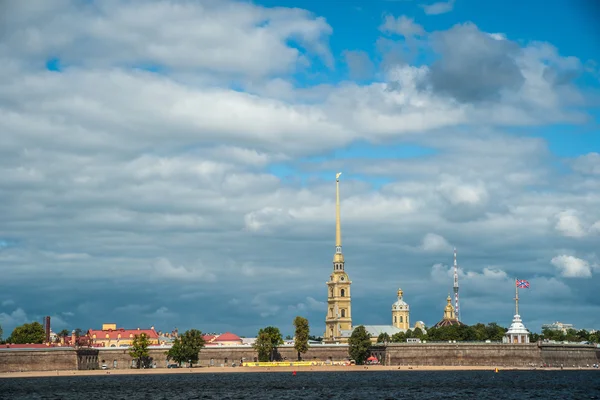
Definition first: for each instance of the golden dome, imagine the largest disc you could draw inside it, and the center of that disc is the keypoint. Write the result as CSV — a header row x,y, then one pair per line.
x,y
449,307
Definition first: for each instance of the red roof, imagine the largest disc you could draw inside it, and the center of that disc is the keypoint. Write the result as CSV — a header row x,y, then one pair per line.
x,y
124,333
228,337
209,338
26,346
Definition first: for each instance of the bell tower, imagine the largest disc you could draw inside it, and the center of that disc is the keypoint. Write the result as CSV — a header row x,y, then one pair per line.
x,y
339,311
401,313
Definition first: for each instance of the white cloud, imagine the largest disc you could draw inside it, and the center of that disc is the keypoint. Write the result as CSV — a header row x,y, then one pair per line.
x,y
572,267
568,224
219,166
401,25
440,7
217,36
435,243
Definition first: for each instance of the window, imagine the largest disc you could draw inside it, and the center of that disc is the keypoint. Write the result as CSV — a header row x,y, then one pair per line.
x,y
401,318
342,293
343,313
395,319
331,312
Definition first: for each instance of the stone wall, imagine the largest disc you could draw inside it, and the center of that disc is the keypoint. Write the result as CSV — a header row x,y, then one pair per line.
x,y
116,358
226,355
490,354
17,360
569,355
485,354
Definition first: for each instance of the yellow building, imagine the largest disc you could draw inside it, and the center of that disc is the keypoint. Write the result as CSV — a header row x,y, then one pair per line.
x,y
338,322
111,336
401,313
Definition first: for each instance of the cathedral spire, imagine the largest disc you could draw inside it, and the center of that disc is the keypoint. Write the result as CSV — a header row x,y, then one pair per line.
x,y
338,258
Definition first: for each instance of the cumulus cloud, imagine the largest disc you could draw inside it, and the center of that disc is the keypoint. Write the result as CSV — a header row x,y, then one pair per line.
x,y
569,224
572,267
587,164
401,25
152,170
435,243
440,7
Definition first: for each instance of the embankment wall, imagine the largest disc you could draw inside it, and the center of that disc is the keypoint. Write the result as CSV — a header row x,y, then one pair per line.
x,y
24,360
413,354
486,354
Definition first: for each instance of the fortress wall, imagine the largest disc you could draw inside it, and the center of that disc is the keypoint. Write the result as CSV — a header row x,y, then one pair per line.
x,y
17,360
488,354
414,354
569,355
235,354
480,354
119,358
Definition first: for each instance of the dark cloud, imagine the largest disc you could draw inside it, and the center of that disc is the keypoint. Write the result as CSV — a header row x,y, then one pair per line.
x,y
473,66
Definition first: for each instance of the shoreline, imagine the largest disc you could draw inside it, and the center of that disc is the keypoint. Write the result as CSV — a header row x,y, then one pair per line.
x,y
222,370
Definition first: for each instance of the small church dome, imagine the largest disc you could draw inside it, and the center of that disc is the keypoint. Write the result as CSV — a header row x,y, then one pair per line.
x,y
400,304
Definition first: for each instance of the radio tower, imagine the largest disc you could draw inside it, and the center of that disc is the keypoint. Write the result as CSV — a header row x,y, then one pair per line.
x,y
456,304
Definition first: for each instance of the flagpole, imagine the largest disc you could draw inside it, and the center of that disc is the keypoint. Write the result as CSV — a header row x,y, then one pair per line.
x,y
516,297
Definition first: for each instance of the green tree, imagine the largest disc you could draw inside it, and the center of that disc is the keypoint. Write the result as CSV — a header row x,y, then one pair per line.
x,y
28,333
315,338
398,337
383,337
263,346
301,336
359,344
534,337
583,335
78,332
139,349
187,347
63,333
1,333
417,333
495,332
266,342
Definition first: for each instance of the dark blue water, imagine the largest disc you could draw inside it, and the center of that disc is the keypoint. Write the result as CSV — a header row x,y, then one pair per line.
x,y
314,385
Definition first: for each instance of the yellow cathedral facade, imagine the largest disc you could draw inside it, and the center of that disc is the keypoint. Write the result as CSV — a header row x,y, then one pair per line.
x,y
339,309
338,321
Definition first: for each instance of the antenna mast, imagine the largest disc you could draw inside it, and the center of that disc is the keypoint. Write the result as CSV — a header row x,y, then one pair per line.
x,y
456,302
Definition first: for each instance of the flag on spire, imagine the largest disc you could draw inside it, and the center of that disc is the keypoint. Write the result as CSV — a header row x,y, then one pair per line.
x,y
522,283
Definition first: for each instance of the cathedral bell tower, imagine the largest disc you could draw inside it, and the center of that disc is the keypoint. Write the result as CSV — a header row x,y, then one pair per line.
x,y
401,313
338,322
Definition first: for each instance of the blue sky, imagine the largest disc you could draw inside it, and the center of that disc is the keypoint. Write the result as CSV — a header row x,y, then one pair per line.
x,y
172,163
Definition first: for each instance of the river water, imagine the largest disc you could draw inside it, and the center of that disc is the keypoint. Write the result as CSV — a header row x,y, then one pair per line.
x,y
314,385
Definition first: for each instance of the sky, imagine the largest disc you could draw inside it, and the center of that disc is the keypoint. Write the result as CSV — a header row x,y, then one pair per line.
x,y
172,163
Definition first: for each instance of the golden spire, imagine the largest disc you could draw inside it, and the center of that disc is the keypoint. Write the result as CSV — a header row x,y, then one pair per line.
x,y
400,293
338,257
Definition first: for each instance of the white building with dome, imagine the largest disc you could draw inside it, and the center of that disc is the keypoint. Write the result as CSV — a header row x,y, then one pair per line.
x,y
517,333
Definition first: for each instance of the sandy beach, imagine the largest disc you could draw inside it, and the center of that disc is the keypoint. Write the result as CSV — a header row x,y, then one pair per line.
x,y
298,370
